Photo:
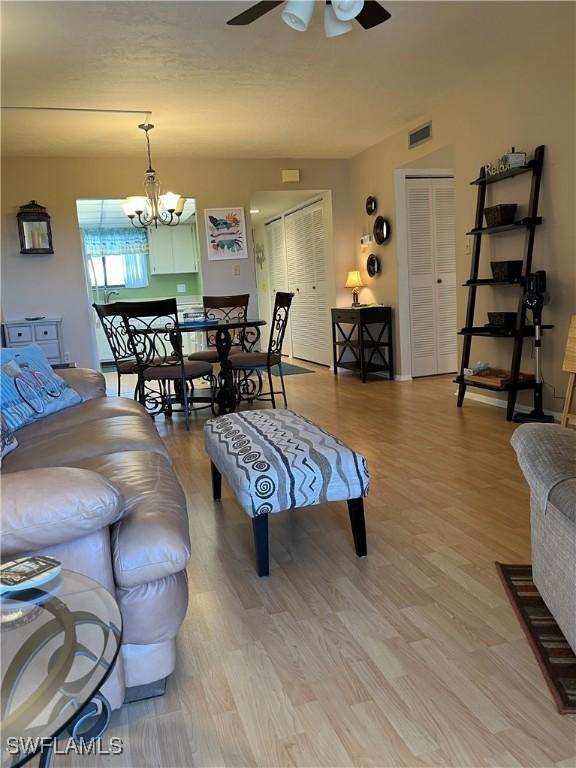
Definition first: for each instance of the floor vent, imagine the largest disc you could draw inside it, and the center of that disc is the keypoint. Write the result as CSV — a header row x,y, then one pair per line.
x,y
419,135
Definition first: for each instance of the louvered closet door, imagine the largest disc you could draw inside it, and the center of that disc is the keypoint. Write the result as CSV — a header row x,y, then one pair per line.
x,y
306,259
432,275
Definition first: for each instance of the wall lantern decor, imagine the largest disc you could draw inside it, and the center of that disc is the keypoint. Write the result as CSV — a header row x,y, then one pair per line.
x,y
34,228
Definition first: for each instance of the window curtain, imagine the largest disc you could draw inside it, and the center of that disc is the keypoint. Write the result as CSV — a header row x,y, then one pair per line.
x,y
131,244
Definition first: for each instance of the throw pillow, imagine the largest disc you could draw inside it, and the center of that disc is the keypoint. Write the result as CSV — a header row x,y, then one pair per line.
x,y
30,389
7,440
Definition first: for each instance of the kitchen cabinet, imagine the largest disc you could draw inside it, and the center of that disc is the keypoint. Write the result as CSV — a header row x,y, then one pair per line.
x,y
173,250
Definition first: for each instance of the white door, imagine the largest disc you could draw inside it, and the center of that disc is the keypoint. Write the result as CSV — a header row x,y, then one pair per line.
x,y
277,272
307,278
430,209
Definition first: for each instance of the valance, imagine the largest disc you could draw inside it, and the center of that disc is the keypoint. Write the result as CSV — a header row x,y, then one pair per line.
x,y
115,242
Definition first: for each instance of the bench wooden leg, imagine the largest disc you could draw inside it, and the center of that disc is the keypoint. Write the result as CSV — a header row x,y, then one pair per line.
x,y
216,482
356,512
260,528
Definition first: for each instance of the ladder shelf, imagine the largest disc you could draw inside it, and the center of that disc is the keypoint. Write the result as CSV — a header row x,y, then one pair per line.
x,y
521,329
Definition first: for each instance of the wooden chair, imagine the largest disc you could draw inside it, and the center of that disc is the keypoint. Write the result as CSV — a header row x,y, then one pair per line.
x,y
246,363
115,332
569,366
155,340
225,308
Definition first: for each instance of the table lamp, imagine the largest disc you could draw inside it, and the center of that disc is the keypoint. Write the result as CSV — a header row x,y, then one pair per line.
x,y
354,281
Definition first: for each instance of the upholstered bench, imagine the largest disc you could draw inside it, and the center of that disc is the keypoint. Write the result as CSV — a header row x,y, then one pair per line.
x,y
276,460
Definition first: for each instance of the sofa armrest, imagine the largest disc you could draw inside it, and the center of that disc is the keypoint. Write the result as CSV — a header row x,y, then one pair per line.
x,y
88,383
547,456
43,507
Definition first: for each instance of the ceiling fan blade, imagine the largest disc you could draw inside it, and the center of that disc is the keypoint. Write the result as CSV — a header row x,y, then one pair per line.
x,y
254,12
372,14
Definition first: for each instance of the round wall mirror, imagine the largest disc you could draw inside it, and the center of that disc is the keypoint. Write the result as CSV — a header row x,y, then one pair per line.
x,y
371,205
373,265
381,230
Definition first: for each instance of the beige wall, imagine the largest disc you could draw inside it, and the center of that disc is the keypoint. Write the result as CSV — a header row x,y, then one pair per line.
x,y
55,285
529,102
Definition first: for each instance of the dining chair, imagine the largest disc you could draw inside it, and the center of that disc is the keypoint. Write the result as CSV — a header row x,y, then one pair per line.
x,y
245,363
227,309
155,340
115,332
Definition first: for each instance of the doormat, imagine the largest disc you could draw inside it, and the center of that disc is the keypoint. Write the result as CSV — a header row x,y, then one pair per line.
x,y
289,370
555,657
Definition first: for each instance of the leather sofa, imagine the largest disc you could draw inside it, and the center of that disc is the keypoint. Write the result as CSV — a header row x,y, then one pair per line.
x,y
94,486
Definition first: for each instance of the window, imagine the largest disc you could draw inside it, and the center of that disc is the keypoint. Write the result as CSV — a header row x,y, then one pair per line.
x,y
107,271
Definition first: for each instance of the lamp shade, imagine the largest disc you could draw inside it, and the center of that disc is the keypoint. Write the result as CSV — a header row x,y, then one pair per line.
x,y
332,25
135,204
346,10
354,280
169,200
297,14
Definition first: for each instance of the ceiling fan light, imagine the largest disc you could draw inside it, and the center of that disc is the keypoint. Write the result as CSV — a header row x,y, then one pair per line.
x,y
297,14
346,10
332,25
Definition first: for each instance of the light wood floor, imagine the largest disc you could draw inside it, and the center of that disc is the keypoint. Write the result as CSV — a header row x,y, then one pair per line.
x,y
411,657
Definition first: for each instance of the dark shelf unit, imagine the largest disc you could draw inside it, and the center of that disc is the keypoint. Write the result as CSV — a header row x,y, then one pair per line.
x,y
496,332
522,224
504,388
482,180
489,281
521,330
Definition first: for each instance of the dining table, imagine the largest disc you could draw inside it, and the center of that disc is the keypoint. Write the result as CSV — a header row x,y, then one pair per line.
x,y
226,396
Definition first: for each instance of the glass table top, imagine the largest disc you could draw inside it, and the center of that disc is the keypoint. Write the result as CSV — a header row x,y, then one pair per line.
x,y
58,644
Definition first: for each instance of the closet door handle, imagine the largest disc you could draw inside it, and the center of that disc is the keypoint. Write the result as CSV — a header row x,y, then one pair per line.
x,y
313,287
439,280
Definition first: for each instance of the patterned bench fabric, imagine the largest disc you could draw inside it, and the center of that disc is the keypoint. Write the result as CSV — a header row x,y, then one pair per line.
x,y
276,460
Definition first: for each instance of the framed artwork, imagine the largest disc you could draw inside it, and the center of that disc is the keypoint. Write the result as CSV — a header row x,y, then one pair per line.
x,y
226,233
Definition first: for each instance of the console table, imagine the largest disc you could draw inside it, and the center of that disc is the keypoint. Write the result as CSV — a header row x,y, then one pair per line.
x,y
366,333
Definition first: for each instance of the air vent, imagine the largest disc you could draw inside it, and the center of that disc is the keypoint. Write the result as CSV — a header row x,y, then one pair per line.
x,y
419,135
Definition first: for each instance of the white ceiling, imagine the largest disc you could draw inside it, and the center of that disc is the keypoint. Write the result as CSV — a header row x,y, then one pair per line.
x,y
258,91
109,213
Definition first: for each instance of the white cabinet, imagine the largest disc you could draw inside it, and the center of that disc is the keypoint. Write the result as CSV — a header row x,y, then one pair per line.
x,y
173,250
47,333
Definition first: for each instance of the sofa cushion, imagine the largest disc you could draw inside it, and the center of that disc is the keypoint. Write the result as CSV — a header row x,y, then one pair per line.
x,y
151,540
85,381
67,446
92,410
30,389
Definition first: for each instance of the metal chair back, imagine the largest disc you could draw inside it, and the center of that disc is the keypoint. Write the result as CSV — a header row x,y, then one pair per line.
x,y
282,303
228,309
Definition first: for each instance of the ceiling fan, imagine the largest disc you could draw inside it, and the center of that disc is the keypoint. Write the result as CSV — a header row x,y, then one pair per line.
x,y
338,14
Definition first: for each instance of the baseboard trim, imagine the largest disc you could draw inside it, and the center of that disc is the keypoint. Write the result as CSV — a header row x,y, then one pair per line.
x,y
496,402
400,377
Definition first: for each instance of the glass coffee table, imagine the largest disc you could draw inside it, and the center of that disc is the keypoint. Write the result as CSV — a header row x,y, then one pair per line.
x,y
58,645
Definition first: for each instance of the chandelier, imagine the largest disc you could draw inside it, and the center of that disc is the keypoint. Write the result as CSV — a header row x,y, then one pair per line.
x,y
153,208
